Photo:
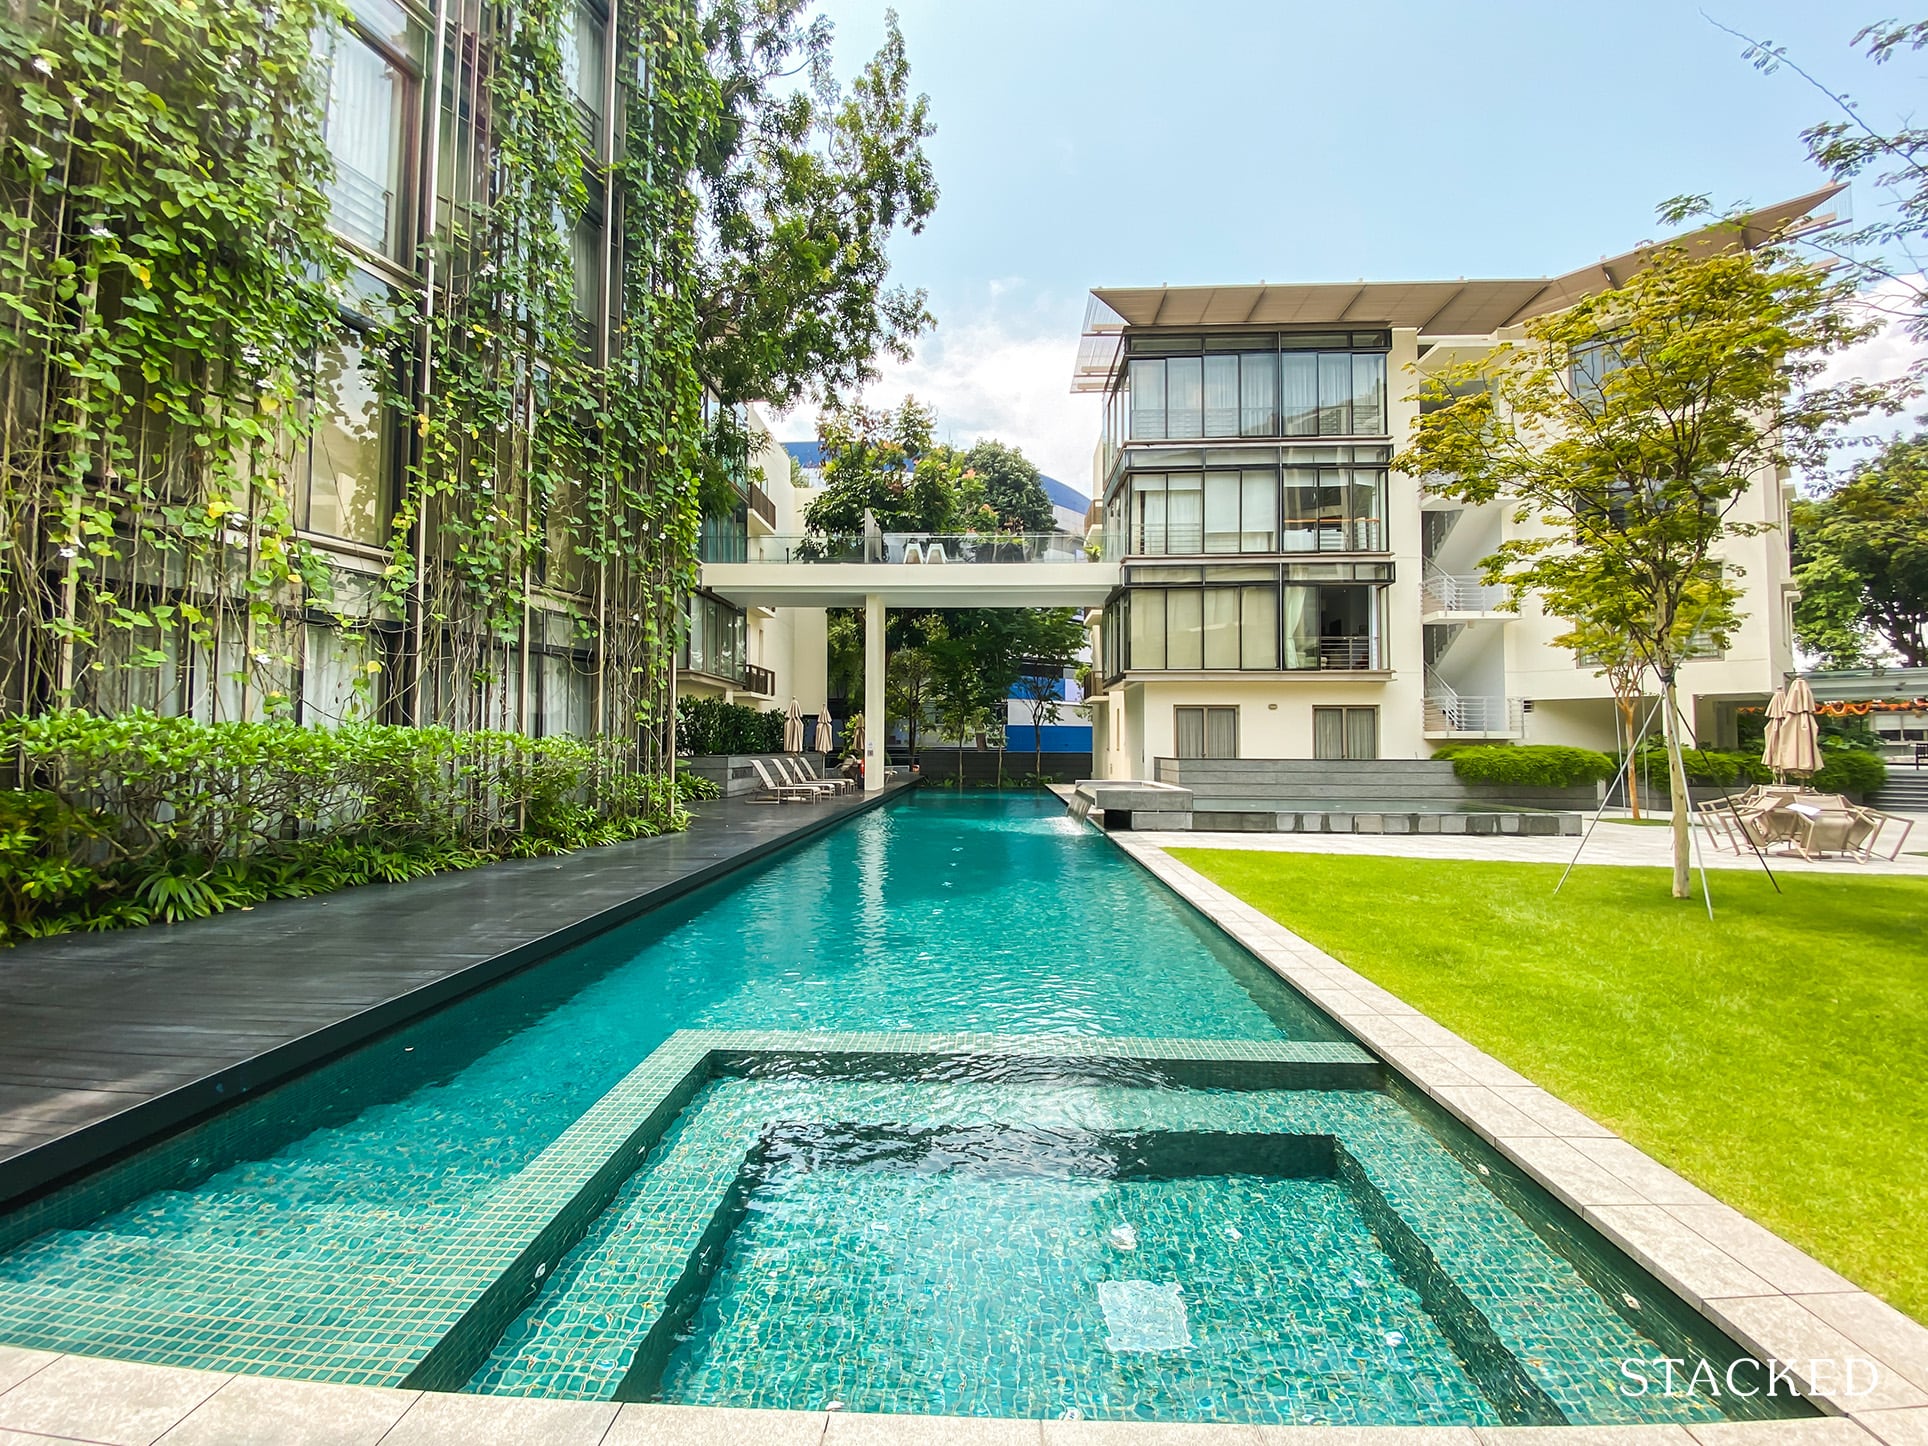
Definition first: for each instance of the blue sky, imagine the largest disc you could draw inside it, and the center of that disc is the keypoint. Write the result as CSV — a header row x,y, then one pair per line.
x,y
1127,142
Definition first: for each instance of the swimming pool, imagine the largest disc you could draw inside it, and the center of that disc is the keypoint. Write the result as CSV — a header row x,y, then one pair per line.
x,y
951,1109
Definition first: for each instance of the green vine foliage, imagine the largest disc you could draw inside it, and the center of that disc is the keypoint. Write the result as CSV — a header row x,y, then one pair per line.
x,y
166,272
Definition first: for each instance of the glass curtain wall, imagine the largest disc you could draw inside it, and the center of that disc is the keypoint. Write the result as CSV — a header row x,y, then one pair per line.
x,y
1295,385
1220,511
1301,627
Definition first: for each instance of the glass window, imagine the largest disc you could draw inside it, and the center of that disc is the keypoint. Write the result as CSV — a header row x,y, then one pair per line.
x,y
1221,627
1335,394
364,129
1221,511
1258,627
1221,396
349,449
1147,619
1301,509
1148,400
586,251
1300,626
1259,395
1300,404
1205,732
1184,619
583,60
1345,733
1185,513
1184,396
336,683
1368,393
1258,510
1148,514
1367,508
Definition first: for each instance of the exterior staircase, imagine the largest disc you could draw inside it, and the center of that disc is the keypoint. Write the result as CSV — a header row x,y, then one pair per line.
x,y
1906,790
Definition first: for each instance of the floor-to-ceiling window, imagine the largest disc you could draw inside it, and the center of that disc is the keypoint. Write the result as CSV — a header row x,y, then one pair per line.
x,y
1289,384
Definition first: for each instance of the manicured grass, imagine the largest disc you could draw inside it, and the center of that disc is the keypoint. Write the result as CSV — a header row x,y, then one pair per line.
x,y
1639,822
1777,1056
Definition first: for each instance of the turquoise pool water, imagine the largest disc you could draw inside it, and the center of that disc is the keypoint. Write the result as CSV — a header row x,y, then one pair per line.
x,y
286,1230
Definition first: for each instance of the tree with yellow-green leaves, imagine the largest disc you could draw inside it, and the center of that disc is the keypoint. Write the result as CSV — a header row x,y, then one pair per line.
x,y
1622,434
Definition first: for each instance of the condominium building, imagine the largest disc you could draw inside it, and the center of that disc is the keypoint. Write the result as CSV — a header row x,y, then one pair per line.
x,y
1283,593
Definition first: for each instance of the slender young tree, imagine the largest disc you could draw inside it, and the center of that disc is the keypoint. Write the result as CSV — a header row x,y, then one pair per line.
x,y
1622,433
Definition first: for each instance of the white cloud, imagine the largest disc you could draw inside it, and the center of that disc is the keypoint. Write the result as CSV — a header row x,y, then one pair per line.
x,y
996,376
1883,357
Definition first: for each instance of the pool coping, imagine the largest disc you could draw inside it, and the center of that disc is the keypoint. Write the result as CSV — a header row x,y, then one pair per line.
x,y
151,1114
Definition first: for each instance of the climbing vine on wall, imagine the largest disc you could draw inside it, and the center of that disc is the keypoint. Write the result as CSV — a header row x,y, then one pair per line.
x,y
166,273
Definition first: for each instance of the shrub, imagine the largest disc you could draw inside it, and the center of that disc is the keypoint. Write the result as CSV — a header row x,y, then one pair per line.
x,y
709,725
1531,765
1850,770
1725,767
137,817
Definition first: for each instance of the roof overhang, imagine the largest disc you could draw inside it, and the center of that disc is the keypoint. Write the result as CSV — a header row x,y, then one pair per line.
x,y
1434,308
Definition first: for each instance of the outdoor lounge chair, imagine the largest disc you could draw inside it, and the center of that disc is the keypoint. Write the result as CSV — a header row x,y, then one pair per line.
x,y
913,552
792,770
935,553
782,792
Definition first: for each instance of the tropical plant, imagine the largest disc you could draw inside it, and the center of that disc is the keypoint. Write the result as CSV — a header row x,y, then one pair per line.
x,y
136,817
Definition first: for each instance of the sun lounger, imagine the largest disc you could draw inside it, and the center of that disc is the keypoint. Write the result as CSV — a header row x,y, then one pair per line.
x,y
792,770
775,791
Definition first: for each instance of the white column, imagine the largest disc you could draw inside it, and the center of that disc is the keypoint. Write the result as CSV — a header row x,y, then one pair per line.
x,y
874,755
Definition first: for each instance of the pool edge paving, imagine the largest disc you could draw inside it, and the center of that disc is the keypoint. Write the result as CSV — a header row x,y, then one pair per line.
x,y
1765,1293
110,1041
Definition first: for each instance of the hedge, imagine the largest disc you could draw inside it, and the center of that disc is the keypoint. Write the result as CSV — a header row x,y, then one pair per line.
x,y
709,725
1529,765
1843,770
136,817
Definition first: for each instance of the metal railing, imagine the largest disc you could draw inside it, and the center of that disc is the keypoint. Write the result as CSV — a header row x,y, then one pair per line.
x,y
1450,712
760,681
1348,652
764,506
1458,592
923,549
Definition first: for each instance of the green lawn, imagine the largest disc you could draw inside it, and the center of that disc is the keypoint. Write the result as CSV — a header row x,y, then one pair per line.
x,y
1777,1057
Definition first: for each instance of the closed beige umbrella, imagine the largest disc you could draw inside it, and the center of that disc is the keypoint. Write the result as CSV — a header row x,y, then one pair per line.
x,y
826,731
854,735
1794,748
793,728
1776,715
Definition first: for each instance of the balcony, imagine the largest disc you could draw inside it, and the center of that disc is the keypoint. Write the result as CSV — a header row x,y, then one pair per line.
x,y
1459,597
763,507
760,681
1455,715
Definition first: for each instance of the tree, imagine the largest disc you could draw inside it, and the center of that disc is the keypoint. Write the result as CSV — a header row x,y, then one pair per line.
x,y
885,463
1622,432
803,188
1045,693
907,690
1608,639
1013,487
1861,558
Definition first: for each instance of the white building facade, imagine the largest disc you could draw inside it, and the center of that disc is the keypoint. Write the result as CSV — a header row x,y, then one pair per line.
x,y
1284,594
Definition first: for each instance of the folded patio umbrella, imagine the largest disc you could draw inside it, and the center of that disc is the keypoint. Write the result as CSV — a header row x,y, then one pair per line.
x,y
1776,715
826,730
1795,747
793,728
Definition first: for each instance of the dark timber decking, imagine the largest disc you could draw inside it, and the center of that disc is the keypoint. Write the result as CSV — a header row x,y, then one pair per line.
x,y
107,1040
